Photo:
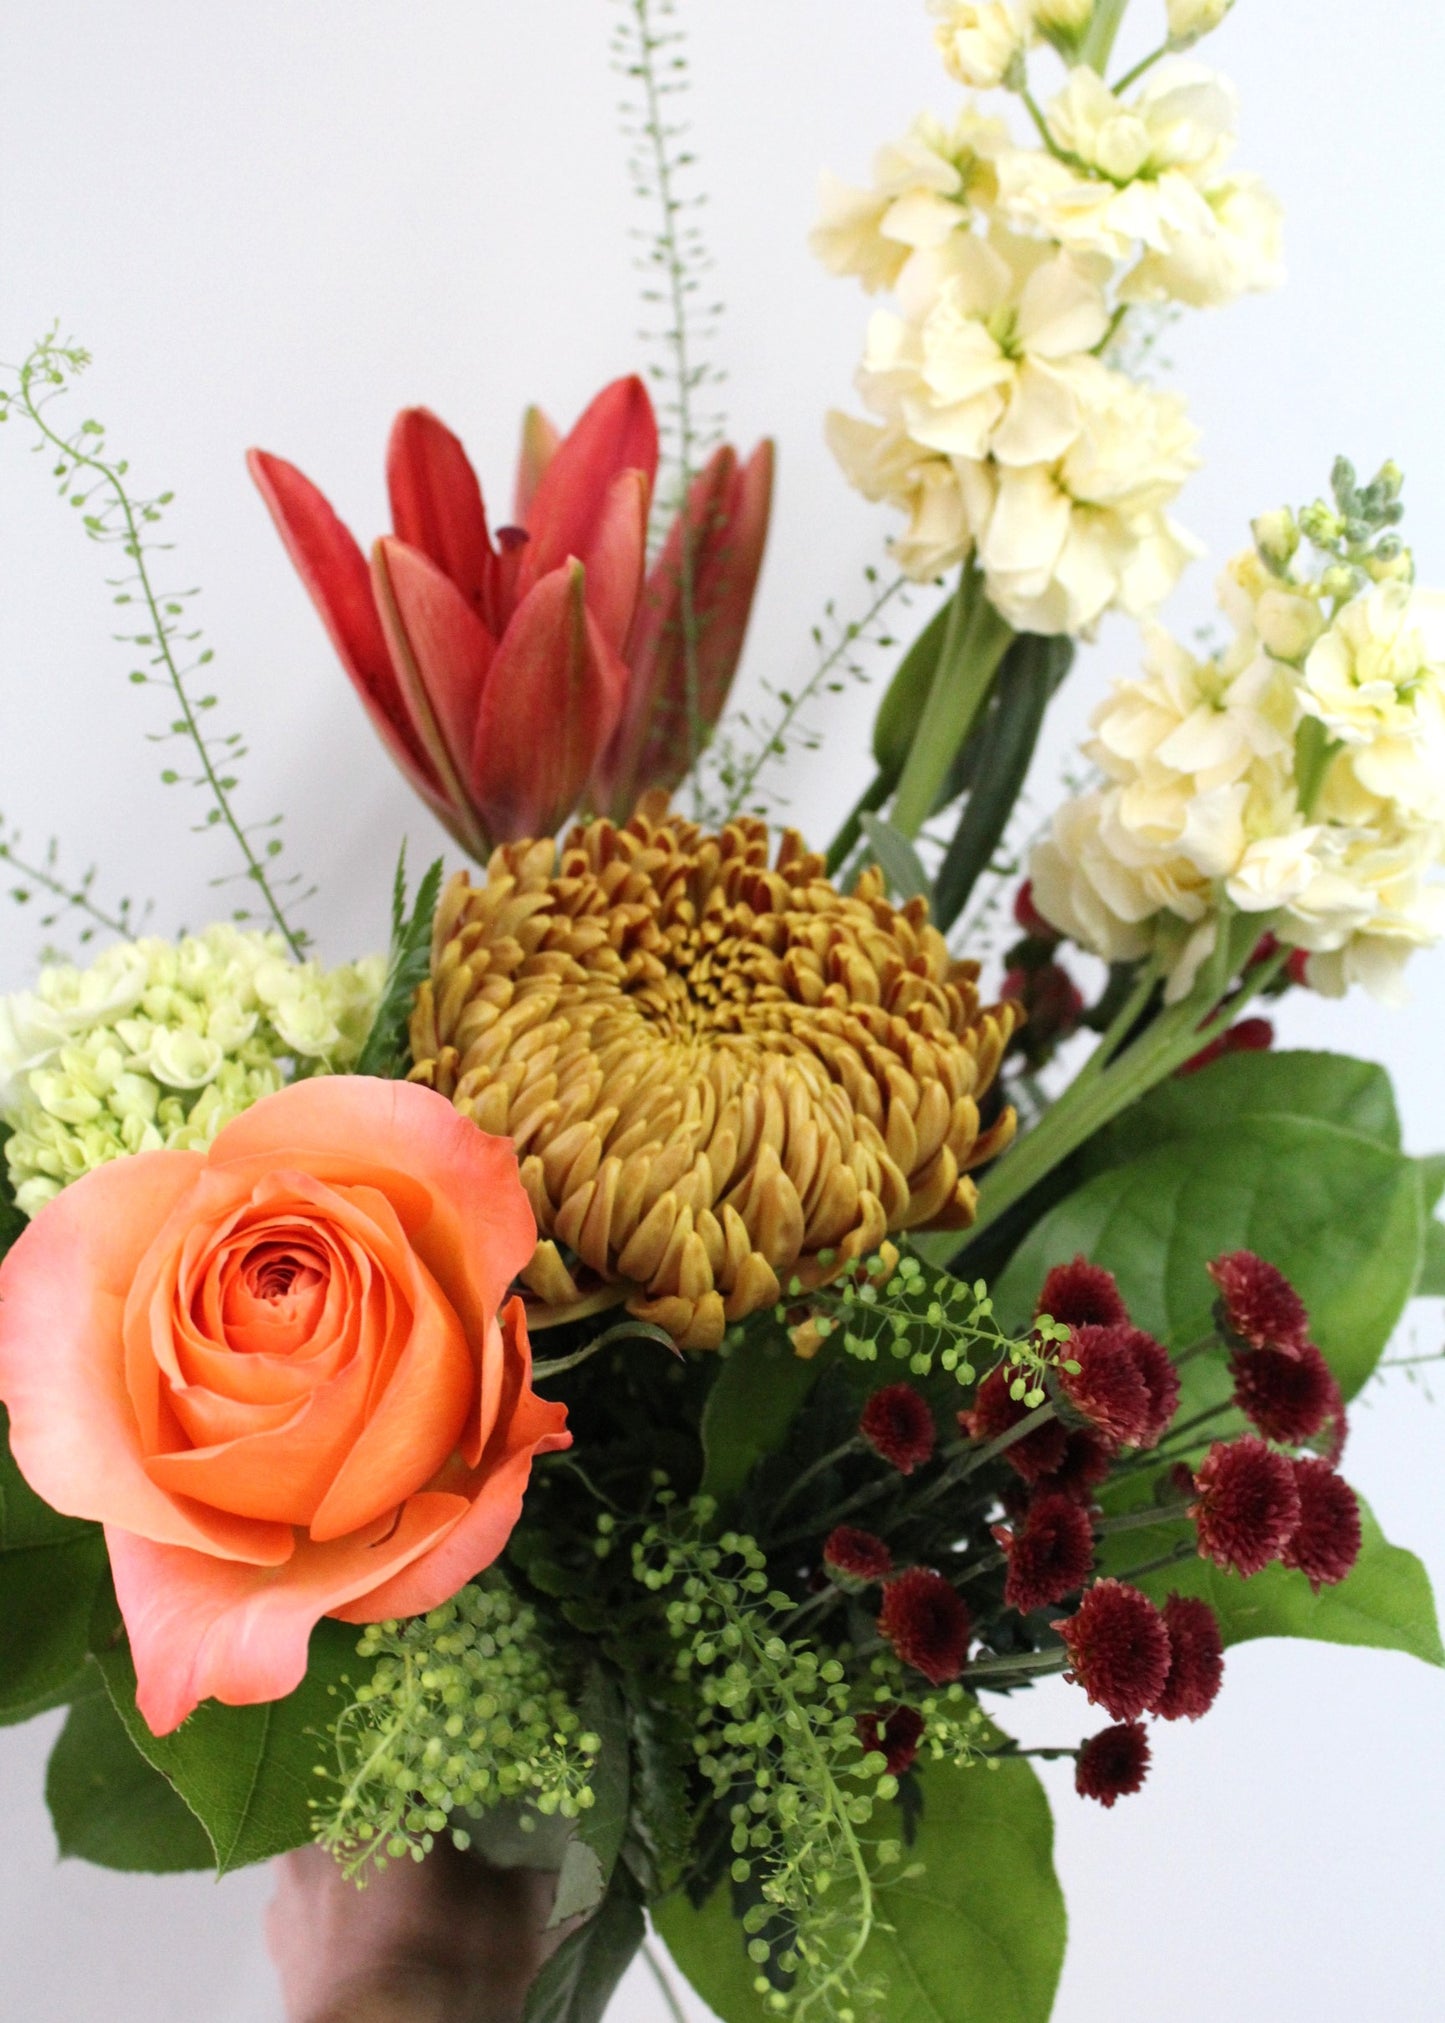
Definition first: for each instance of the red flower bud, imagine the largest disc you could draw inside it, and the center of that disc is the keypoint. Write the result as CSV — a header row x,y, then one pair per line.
x,y
1052,1556
1248,1506
1118,1649
1258,1307
1326,1541
898,1426
927,1623
856,1555
896,1732
1196,1659
1082,1295
1113,1763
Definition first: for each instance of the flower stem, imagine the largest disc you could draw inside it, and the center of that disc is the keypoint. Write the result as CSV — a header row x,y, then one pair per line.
x,y
973,647
1098,42
664,1982
1145,63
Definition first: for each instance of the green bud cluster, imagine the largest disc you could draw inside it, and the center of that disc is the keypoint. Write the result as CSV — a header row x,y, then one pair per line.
x,y
1352,531
894,1306
777,1741
462,1713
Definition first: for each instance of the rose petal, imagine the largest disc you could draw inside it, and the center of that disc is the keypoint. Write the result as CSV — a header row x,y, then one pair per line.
x,y
203,1628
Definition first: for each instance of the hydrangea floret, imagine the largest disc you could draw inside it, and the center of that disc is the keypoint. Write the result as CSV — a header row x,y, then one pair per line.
x,y
159,1044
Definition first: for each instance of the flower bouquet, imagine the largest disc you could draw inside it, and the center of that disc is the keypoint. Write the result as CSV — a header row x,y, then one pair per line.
x,y
628,1386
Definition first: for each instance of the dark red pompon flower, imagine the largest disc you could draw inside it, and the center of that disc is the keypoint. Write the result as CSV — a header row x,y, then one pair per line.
x,y
898,1426
1085,1462
1118,1649
1051,1556
1108,1387
1082,1295
994,1412
927,1623
856,1555
1196,1659
1028,916
1161,1380
1248,1505
896,1732
1249,1036
1326,1541
1257,1307
1287,1394
1113,1763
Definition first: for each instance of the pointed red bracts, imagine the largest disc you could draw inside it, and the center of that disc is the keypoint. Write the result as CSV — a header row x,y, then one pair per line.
x,y
514,673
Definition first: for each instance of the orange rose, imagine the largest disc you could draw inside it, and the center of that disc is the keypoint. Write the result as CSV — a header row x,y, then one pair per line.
x,y
277,1373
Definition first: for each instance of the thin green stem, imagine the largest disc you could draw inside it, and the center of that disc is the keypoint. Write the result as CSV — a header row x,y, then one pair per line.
x,y
1031,106
775,742
1098,42
1024,1665
1186,1549
77,899
1140,1520
664,1982
852,1445
656,132
161,630
1145,63
1094,1100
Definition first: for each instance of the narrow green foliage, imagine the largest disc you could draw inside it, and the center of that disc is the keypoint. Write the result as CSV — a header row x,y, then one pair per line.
x,y
463,1712
753,743
172,656
925,1318
387,1051
649,51
776,1741
63,899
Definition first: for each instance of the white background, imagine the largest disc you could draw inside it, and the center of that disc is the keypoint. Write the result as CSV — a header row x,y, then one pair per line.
x,y
279,223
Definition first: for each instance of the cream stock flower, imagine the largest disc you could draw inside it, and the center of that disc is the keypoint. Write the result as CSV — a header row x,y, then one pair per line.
x,y
1376,681
980,41
1148,179
946,500
924,186
1066,542
159,1044
1202,805
1189,19
991,353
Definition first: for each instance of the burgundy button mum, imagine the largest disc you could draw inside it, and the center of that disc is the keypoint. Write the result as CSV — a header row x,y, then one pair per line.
x,y
1082,1295
1250,1036
1112,1763
1248,1507
1161,1380
1288,1395
855,1554
1085,1463
1118,1648
1196,1659
1257,1305
1028,916
1109,1388
927,1624
1052,1556
994,1412
898,1425
896,1732
1326,1542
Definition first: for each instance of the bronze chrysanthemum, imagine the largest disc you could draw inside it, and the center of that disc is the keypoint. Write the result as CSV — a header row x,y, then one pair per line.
x,y
720,1075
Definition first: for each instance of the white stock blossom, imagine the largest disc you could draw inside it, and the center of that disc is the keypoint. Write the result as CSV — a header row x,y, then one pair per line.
x,y
980,41
1213,794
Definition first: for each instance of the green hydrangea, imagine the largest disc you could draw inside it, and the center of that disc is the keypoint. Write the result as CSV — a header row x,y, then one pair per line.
x,y
160,1043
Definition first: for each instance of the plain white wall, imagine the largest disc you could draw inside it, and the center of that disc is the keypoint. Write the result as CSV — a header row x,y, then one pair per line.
x,y
277,224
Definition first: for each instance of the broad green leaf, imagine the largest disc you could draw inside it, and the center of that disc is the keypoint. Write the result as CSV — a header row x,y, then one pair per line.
x,y
1431,1284
1384,1602
897,859
51,1568
247,1773
1332,1088
108,1804
1340,1214
580,1979
754,1398
977,1937
591,1853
